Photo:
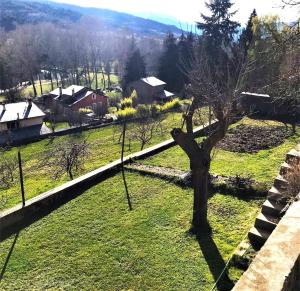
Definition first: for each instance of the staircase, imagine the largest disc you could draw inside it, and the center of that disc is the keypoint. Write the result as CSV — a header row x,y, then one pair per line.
x,y
276,201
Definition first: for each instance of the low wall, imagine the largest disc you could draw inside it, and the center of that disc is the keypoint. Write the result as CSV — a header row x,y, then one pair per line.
x,y
276,267
18,217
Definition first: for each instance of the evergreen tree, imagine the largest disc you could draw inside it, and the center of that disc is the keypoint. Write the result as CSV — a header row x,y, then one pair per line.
x,y
135,67
218,27
169,65
186,54
247,34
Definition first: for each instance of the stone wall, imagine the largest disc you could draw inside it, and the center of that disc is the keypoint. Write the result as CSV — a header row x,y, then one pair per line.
x,y
276,266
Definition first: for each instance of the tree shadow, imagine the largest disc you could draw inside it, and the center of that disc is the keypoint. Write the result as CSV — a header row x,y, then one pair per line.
x,y
214,260
8,256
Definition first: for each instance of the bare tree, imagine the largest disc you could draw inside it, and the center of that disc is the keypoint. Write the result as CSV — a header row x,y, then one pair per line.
x,y
8,167
144,130
67,157
214,83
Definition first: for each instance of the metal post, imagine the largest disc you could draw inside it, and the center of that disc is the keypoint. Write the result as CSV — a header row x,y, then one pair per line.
x,y
21,178
123,172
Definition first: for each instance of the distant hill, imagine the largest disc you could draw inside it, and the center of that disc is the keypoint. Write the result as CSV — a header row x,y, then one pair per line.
x,y
13,12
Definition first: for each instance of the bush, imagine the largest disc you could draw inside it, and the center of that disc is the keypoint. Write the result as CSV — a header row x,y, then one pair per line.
x,y
174,104
126,103
143,111
134,98
113,98
85,110
155,110
127,113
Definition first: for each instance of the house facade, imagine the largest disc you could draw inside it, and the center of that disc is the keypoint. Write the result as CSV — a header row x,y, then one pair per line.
x,y
76,97
150,90
20,115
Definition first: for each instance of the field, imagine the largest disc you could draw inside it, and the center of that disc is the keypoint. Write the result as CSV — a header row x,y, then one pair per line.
x,y
94,242
104,148
28,91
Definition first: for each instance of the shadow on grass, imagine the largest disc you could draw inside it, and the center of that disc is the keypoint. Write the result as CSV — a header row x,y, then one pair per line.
x,y
8,256
215,261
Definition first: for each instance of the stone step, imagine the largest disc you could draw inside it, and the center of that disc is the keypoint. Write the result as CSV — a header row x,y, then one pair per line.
x,y
266,222
293,156
272,208
285,168
258,236
275,195
280,183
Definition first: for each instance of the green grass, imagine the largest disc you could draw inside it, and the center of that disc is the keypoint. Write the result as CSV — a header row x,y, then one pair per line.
x,y
94,243
104,148
262,166
58,125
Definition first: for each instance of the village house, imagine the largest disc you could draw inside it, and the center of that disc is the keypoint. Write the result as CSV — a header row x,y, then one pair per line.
x,y
76,97
19,116
150,90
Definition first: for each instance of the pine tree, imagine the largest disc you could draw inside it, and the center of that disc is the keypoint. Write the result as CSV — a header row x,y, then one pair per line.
x,y
169,65
186,54
218,27
135,67
247,34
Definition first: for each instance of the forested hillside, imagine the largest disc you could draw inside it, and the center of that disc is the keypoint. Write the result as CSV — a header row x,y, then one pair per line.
x,y
14,12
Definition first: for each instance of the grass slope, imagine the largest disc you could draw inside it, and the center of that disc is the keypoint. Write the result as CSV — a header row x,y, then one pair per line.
x,y
104,148
262,166
94,242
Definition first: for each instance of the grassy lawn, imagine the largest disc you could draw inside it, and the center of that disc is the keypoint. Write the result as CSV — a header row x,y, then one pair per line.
x,y
262,166
94,242
104,148
28,91
58,125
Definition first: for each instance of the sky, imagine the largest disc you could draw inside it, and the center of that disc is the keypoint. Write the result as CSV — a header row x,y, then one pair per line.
x,y
188,11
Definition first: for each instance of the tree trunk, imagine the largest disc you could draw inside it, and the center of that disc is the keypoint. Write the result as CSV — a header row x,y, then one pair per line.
x,y
70,174
41,86
51,81
96,78
33,86
200,181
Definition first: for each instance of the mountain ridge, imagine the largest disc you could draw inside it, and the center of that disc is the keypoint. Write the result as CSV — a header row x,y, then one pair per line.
x,y
14,12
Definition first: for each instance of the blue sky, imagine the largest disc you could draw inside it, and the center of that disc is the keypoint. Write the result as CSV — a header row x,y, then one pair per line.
x,y
188,11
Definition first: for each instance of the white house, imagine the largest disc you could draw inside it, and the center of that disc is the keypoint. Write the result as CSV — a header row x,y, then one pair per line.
x,y
20,115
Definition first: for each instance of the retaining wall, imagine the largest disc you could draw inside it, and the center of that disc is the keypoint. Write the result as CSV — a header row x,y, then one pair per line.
x,y
18,217
276,267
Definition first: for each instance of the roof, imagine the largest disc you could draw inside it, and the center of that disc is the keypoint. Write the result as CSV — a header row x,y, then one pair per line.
x,y
165,94
82,96
153,81
255,95
68,91
20,110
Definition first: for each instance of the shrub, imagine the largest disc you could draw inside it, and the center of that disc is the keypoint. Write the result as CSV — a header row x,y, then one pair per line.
x,y
143,111
155,110
174,104
134,98
85,110
126,103
126,113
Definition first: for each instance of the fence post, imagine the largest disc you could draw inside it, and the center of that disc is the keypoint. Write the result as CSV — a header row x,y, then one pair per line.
x,y
21,177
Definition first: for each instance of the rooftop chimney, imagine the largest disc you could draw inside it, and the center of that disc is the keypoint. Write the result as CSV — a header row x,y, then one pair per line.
x,y
73,91
60,91
3,104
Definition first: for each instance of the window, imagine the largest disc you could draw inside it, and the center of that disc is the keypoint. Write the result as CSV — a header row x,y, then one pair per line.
x,y
94,96
94,106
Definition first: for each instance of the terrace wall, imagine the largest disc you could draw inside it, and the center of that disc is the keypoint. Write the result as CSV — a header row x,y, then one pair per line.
x,y
18,217
276,267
